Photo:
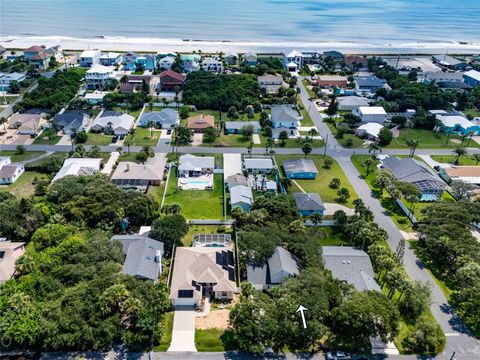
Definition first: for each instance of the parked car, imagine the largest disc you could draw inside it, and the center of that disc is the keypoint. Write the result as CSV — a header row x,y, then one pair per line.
x,y
114,139
337,355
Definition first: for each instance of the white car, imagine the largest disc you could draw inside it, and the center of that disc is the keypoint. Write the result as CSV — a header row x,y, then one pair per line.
x,y
337,355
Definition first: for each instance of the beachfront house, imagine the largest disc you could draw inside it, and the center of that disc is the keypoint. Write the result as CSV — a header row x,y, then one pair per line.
x,y
110,59
143,256
78,167
231,58
212,64
241,196
39,56
449,62
414,172
6,80
194,166
190,62
337,56
355,62
88,58
171,80
9,173
98,77
163,119
130,61
166,62
309,203
293,60
368,85
285,118
472,78
10,252
271,84
280,266
112,122
369,131
235,127
258,166
251,59
71,121
202,271
370,114
146,62
455,123
300,169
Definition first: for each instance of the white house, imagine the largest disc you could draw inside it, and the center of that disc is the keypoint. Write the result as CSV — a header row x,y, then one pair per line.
x,y
190,62
293,60
369,130
78,167
96,97
370,114
88,58
252,165
166,63
9,173
98,76
285,118
194,166
212,65
120,123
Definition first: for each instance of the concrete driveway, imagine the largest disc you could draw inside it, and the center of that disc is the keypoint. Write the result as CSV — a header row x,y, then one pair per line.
x,y
183,334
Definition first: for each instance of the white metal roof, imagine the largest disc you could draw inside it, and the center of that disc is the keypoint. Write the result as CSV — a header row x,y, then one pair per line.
x,y
372,110
371,128
474,74
232,164
453,120
89,53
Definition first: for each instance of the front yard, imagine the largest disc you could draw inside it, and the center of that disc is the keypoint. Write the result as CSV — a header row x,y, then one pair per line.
x,y
98,139
197,204
428,140
47,137
321,184
142,137
15,156
467,160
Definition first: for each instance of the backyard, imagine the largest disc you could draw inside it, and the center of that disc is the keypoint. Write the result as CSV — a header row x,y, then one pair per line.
x,y
321,184
204,229
17,156
23,187
197,204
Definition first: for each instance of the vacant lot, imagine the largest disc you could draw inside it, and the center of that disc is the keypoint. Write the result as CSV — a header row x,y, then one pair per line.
x,y
17,157
98,139
23,187
428,140
143,137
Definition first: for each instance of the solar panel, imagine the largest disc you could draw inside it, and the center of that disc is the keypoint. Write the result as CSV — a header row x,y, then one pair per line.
x,y
185,294
218,258
230,258
231,274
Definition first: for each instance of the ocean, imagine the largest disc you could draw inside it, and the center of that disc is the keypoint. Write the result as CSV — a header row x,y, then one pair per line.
x,y
367,21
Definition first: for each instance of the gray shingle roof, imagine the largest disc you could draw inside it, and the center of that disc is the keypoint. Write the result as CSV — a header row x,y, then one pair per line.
x,y
308,201
284,113
370,81
300,166
240,124
70,119
166,117
350,265
411,171
141,254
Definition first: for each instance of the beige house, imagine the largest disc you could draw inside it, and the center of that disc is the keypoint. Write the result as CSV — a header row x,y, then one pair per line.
x,y
9,254
27,124
202,272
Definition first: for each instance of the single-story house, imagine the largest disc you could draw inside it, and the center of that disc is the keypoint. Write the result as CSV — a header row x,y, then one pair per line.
x,y
271,83
455,123
232,164
143,256
300,169
27,124
71,120
253,165
369,130
329,81
191,165
349,103
163,119
370,114
78,167
202,271
467,174
131,175
235,127
241,196
170,80
279,267
410,170
350,265
309,203
10,252
146,62
251,59
113,122
9,173
200,123
472,78
96,97
236,180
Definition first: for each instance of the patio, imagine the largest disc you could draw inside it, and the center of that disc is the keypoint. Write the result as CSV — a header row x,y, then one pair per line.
x,y
196,183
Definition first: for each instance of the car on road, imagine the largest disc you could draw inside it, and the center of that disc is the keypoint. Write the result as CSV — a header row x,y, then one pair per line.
x,y
337,355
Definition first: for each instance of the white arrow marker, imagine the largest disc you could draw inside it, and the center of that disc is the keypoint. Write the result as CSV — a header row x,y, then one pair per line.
x,y
301,309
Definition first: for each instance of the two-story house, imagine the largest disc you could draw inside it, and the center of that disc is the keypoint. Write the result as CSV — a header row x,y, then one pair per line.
x,y
285,118
293,60
190,62
88,58
212,65
98,77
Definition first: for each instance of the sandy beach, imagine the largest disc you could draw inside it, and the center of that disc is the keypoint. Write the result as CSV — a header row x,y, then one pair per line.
x,y
178,45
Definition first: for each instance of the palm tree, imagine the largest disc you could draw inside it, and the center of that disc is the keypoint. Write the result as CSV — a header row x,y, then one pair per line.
x,y
459,152
368,163
120,150
164,101
249,149
307,149
477,158
313,132
413,144
373,148
148,150
127,143
151,124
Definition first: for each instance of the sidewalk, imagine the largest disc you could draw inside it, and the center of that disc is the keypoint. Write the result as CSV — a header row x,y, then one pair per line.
x,y
107,169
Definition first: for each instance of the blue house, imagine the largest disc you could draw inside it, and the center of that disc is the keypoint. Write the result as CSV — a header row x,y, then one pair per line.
x,y
472,78
241,197
6,80
110,59
251,59
300,169
130,61
147,62
234,127
309,203
455,124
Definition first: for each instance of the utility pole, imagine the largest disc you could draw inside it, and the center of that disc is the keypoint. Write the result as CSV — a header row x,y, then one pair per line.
x,y
325,150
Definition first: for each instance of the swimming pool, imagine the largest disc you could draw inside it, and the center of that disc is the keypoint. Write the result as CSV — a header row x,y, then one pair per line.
x,y
198,182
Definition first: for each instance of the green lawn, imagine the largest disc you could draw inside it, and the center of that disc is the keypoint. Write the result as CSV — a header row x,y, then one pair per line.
x,y
197,204
428,140
233,140
47,137
142,137
320,185
419,206
290,143
10,99
333,237
356,141
307,120
450,159
61,156
134,113
16,157
474,112
98,139
23,187
209,340
166,338
202,229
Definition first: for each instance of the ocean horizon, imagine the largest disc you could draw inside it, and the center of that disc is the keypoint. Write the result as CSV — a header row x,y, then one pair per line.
x,y
362,21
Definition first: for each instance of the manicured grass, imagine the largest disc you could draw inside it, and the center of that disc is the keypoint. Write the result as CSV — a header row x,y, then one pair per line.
x,y
419,206
474,112
157,192
98,139
307,120
16,157
197,204
47,137
209,340
233,140
134,113
10,99
428,140
320,184
166,338
450,159
202,229
333,237
23,187
142,137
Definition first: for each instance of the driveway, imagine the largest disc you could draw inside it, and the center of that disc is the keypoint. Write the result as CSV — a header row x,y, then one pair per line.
x,y
432,162
107,169
183,334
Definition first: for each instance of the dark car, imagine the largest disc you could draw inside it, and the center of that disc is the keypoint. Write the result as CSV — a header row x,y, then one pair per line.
x,y
337,355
